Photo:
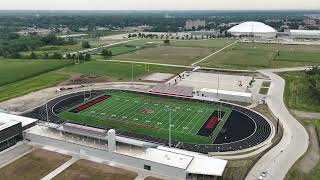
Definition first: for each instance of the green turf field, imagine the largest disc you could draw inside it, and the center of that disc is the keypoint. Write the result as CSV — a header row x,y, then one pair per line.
x,y
146,114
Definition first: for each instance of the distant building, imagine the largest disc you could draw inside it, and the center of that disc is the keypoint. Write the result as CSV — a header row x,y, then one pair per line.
x,y
190,24
253,29
204,33
309,22
34,31
305,34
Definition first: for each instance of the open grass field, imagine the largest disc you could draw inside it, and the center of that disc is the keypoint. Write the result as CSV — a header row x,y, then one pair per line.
x,y
207,43
50,49
86,170
146,114
242,59
117,50
296,93
167,55
210,43
31,84
119,71
16,70
254,55
34,165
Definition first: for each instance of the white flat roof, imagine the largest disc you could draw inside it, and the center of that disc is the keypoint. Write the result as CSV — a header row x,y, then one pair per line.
x,y
6,122
10,117
234,93
180,161
201,164
207,166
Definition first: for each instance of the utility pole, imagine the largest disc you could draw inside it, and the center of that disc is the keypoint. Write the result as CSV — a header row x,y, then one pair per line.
x,y
47,112
277,126
170,111
131,72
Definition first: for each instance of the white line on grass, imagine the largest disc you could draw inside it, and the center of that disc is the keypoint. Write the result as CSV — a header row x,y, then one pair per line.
x,y
213,53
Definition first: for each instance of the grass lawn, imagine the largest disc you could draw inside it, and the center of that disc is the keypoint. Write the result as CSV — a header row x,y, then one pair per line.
x,y
70,48
31,84
297,174
299,56
264,91
243,59
296,93
84,169
16,70
167,55
117,50
34,165
121,71
146,114
255,56
210,43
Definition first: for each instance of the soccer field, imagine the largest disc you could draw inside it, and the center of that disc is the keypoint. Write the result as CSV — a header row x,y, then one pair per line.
x,y
193,122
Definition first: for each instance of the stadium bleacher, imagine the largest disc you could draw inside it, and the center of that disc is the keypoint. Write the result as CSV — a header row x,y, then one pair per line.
x,y
166,89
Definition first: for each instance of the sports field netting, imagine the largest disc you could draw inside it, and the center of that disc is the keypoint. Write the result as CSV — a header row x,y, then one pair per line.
x,y
148,114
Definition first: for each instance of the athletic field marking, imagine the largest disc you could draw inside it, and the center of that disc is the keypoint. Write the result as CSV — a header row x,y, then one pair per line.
x,y
214,53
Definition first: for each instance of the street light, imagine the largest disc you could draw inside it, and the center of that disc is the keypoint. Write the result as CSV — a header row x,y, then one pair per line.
x,y
170,110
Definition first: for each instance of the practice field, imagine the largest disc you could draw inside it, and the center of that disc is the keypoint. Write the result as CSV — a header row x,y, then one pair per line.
x,y
192,122
200,43
167,55
16,70
255,55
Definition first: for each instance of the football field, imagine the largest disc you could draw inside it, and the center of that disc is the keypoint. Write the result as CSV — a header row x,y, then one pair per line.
x,y
194,122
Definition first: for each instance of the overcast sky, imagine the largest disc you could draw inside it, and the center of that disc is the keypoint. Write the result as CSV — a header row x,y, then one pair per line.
x,y
158,4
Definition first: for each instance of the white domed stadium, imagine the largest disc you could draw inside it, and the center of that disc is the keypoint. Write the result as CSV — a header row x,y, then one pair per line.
x,y
255,29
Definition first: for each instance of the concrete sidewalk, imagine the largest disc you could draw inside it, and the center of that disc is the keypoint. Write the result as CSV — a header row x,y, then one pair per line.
x,y
60,168
294,143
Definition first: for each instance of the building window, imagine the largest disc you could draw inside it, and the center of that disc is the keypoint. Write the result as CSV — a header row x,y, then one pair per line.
x,y
147,167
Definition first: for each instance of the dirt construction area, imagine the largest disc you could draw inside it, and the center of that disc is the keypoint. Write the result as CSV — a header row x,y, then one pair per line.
x,y
200,80
84,169
34,165
167,55
158,77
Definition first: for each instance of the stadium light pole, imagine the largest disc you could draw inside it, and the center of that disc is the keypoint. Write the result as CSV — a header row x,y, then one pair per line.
x,y
131,72
47,112
170,110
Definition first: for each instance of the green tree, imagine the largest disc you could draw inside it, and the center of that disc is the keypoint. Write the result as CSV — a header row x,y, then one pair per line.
x,y
106,53
33,55
167,41
87,57
85,44
56,55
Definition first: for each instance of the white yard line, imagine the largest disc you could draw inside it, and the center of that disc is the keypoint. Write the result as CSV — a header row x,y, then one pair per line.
x,y
213,53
